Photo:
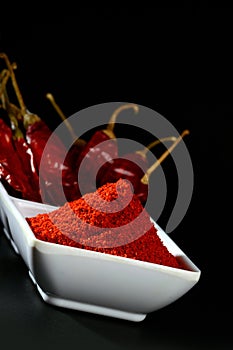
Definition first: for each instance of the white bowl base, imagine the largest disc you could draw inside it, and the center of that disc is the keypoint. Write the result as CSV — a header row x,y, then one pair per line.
x,y
94,309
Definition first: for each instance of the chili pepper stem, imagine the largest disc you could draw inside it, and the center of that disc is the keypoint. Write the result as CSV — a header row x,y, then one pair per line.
x,y
11,109
11,68
145,150
50,97
145,178
112,121
5,74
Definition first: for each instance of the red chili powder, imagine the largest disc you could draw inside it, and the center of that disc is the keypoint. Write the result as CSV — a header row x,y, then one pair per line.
x,y
126,231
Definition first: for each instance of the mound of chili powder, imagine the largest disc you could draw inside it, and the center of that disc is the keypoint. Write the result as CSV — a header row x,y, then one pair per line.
x,y
126,230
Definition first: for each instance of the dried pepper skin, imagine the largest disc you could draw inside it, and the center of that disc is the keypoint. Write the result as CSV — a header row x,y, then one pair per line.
x,y
55,165
23,151
94,154
72,156
131,167
101,148
28,164
11,167
10,182
37,135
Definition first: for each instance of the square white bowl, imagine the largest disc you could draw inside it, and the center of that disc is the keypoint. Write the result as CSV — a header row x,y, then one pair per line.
x,y
91,281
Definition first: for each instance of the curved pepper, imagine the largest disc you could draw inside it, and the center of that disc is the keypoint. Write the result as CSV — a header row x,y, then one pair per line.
x,y
37,134
28,164
131,166
134,167
22,149
10,163
96,152
55,167
10,182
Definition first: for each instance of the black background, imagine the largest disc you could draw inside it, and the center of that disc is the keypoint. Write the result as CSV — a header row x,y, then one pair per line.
x,y
176,60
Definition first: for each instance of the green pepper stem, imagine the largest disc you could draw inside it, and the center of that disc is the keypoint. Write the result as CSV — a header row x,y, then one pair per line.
x,y
115,114
11,68
145,150
145,178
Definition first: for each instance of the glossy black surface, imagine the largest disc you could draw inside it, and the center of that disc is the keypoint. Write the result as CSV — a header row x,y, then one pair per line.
x,y
175,60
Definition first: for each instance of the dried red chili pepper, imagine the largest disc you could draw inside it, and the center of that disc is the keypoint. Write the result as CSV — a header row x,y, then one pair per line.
x,y
10,163
131,166
96,152
22,149
9,179
10,182
28,164
37,134
134,167
55,168
67,227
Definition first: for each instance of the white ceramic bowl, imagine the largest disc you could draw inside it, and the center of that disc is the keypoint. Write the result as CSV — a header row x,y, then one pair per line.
x,y
90,281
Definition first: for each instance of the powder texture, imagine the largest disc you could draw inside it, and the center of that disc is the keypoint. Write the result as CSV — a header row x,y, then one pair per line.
x,y
110,220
